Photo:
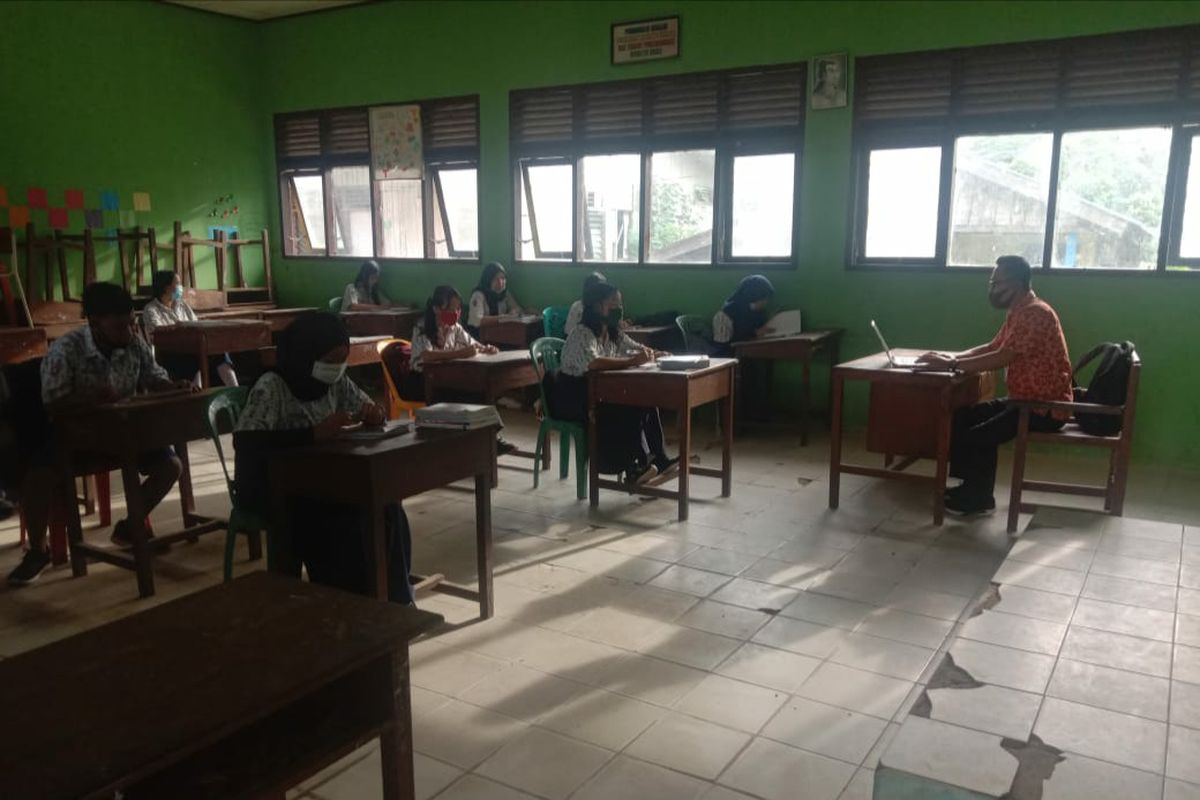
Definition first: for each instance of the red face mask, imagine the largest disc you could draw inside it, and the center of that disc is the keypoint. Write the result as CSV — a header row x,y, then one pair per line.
x,y
447,318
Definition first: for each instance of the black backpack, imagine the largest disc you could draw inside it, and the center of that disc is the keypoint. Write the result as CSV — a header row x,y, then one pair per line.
x,y
1108,387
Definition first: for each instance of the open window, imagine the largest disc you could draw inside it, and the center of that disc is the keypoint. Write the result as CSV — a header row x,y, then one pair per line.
x,y
546,209
456,217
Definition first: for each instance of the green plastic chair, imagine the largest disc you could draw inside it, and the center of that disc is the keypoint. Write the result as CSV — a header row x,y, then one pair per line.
x,y
697,333
554,321
229,403
546,354
335,305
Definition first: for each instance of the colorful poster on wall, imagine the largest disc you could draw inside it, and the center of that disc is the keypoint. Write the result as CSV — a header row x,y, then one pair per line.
x,y
109,201
396,142
36,198
141,201
58,218
18,216
645,40
74,198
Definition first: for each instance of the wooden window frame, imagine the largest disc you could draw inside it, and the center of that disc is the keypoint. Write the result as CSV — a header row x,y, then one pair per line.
x,y
458,158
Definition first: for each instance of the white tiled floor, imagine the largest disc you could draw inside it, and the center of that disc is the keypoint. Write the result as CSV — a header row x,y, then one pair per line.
x,y
767,648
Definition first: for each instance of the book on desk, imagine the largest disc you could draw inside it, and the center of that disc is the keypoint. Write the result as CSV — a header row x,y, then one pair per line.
x,y
457,416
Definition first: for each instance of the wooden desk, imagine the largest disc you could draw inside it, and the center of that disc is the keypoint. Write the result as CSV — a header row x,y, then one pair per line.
x,y
801,347
369,475
656,337
910,416
242,690
208,337
363,351
511,332
21,344
121,432
681,392
277,318
397,323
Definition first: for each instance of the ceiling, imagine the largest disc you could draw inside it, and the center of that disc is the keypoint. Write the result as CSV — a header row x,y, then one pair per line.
x,y
259,10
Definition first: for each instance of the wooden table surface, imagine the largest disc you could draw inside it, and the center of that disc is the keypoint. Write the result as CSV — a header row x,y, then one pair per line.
x,y
367,475
21,344
513,332
122,432
681,391
277,318
211,695
397,323
489,376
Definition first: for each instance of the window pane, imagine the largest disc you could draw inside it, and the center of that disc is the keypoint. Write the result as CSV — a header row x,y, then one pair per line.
x,y
902,202
350,196
1189,240
550,185
401,229
461,204
762,205
1110,198
305,207
681,206
1001,188
612,188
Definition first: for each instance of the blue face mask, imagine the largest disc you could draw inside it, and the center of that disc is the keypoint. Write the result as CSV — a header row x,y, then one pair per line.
x,y
178,293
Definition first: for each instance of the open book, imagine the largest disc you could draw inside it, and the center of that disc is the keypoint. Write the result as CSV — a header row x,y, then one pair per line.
x,y
785,323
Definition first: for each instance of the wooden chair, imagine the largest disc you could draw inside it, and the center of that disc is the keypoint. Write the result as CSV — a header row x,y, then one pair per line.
x,y
1119,447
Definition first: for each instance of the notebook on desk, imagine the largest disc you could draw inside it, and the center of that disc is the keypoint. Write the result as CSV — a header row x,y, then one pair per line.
x,y
785,323
682,363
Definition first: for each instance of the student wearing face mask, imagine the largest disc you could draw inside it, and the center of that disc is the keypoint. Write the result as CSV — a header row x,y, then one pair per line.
x,y
100,362
308,398
491,298
440,337
630,438
168,308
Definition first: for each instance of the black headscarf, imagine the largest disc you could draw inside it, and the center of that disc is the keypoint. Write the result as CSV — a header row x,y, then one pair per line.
x,y
485,285
301,345
747,321
596,322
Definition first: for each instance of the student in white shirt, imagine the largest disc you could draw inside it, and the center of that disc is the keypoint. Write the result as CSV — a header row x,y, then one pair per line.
x,y
491,298
575,314
631,438
440,337
364,294
167,308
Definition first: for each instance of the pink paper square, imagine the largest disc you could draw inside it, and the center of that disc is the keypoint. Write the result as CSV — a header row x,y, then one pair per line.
x,y
74,198
36,198
58,218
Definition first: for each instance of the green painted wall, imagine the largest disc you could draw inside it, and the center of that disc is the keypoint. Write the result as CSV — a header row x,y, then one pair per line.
x,y
133,96
397,51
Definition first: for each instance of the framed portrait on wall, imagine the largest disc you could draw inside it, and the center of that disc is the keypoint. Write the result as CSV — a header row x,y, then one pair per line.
x,y
829,81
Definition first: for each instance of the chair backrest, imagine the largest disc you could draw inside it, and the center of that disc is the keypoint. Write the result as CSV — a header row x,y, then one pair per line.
x,y
554,319
696,332
396,357
546,354
1131,393
335,305
229,403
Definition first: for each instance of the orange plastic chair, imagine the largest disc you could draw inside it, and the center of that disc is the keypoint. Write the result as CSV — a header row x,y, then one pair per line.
x,y
396,403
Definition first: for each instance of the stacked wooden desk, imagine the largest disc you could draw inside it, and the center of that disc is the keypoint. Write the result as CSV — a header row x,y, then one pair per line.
x,y
666,338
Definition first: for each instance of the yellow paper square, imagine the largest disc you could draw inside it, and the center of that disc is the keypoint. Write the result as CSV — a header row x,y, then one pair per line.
x,y
141,201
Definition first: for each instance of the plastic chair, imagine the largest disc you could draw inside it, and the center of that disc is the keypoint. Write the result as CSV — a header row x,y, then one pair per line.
x,y
396,403
335,305
554,321
546,353
230,403
696,331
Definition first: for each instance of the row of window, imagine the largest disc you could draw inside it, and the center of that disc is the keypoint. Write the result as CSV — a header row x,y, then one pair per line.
x,y
1075,153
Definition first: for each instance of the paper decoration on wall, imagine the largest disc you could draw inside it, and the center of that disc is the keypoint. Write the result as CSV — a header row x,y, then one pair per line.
x,y
396,142
94,218
18,216
36,198
230,230
141,201
74,198
109,201
128,218
223,208
3,197
58,218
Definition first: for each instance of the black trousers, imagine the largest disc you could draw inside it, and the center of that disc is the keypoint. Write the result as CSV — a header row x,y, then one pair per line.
x,y
977,434
625,434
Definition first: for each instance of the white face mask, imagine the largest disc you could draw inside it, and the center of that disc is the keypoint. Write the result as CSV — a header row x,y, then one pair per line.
x,y
328,373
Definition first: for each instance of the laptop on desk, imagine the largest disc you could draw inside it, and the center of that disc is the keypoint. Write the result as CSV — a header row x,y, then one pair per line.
x,y
896,362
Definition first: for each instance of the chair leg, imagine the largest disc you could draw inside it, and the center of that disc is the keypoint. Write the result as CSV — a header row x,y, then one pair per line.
x,y
581,464
1110,481
1120,477
537,454
230,544
1018,474
104,498
564,453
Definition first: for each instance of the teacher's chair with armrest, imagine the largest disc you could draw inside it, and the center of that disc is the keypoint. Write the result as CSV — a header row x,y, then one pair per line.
x,y
1119,446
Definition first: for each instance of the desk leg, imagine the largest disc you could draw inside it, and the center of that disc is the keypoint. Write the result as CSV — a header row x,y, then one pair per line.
x,y
66,495
375,548
837,387
805,400
483,543
945,417
396,743
727,444
203,363
136,521
593,451
685,458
